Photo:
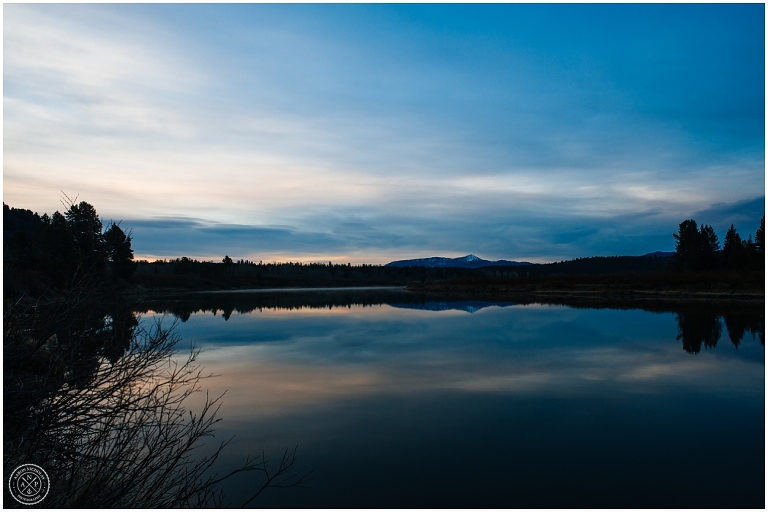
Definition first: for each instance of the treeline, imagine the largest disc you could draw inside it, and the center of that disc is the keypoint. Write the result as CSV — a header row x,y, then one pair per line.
x,y
228,273
56,251
601,265
247,268
275,273
698,249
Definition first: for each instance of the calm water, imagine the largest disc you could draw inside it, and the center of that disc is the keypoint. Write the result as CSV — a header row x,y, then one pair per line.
x,y
491,405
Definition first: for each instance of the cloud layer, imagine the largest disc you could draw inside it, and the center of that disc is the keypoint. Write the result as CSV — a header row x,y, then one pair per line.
x,y
379,132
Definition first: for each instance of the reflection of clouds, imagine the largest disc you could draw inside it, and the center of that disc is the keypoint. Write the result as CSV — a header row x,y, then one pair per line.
x,y
654,371
352,360
508,383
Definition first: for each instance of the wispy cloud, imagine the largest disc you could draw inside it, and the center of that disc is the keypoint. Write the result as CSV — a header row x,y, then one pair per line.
x,y
467,135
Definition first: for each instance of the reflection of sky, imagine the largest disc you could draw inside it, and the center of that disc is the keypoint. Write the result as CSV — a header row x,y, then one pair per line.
x,y
312,356
342,383
379,132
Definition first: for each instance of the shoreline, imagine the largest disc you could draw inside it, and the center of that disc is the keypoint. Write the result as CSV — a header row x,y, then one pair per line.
x,y
587,293
615,290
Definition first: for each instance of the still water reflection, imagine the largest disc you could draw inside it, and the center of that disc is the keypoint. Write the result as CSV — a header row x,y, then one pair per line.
x,y
406,402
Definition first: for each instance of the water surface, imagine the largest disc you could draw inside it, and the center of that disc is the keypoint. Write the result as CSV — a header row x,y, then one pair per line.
x,y
482,404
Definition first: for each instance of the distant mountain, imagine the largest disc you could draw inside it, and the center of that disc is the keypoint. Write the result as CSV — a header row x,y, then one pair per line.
x,y
659,254
468,261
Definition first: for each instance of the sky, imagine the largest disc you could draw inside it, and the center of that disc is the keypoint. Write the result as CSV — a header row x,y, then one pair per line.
x,y
367,133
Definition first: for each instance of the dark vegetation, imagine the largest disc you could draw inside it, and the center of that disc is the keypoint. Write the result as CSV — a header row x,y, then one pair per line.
x,y
698,250
97,400
698,270
186,273
54,253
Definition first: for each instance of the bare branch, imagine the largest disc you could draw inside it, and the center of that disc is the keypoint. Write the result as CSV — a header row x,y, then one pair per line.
x,y
114,433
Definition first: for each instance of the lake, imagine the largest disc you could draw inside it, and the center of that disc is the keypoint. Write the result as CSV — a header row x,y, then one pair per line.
x,y
397,401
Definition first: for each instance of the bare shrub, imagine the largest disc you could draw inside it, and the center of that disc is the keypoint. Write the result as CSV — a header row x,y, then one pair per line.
x,y
113,431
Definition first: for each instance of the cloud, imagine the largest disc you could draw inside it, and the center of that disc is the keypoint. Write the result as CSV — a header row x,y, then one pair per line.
x,y
744,215
364,133
189,237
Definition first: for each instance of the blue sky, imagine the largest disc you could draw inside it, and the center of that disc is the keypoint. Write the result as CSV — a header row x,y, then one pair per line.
x,y
368,133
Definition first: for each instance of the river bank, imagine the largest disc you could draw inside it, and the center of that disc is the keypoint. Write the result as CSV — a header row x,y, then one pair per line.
x,y
652,292
613,289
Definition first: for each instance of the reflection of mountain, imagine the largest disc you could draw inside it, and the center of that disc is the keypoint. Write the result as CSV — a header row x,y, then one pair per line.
x,y
469,306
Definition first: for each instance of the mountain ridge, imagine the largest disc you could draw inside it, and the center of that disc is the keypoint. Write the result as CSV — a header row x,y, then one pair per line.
x,y
472,261
468,261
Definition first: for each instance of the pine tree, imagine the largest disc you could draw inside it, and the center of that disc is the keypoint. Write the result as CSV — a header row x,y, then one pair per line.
x,y
760,238
733,249
687,246
710,246
119,252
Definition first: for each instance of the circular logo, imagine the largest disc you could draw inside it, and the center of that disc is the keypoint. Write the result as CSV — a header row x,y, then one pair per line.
x,y
29,484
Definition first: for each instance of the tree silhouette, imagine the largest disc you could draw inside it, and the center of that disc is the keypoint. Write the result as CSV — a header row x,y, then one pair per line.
x,y
119,252
85,228
65,248
733,249
709,247
687,245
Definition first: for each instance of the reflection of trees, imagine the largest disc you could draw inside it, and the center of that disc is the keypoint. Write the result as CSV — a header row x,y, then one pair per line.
x,y
736,325
100,404
697,328
739,324
758,326
703,326
183,307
